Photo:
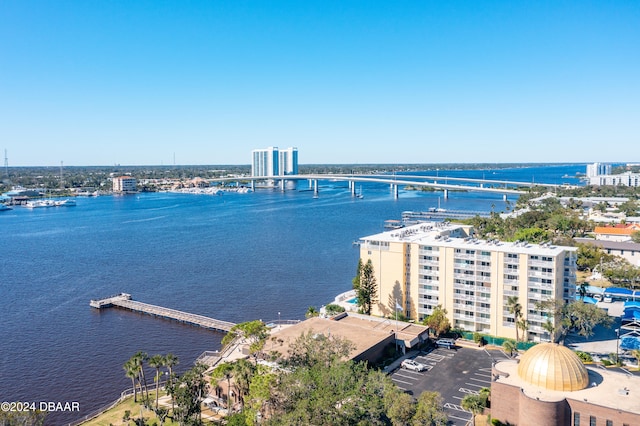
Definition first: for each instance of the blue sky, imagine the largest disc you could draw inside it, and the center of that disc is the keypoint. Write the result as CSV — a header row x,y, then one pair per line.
x,y
133,82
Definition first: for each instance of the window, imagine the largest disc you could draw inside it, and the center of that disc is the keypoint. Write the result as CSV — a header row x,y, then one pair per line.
x,y
576,419
592,420
609,422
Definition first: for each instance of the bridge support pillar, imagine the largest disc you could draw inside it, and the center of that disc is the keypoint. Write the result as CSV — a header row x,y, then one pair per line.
x,y
352,187
310,183
253,185
504,197
446,194
394,188
315,187
282,185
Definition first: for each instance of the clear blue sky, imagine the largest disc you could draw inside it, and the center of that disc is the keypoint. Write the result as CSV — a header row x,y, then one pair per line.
x,y
133,82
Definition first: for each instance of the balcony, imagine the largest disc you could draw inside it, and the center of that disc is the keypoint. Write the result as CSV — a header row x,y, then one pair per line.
x,y
464,256
541,263
540,274
511,293
430,292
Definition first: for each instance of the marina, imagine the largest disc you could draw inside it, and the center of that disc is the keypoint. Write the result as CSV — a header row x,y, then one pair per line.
x,y
124,301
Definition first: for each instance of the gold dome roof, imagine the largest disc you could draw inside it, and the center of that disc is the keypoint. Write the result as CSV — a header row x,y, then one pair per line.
x,y
553,367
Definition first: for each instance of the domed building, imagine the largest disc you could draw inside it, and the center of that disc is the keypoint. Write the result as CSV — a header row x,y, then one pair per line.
x,y
553,367
549,385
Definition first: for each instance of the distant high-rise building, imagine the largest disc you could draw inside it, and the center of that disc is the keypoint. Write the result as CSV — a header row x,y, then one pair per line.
x,y
288,162
273,162
598,169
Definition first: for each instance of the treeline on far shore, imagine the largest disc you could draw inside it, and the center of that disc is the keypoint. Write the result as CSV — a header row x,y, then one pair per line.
x,y
98,177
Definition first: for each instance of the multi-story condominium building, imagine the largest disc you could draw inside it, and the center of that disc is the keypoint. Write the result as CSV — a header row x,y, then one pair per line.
x,y
623,179
431,264
124,184
288,162
597,169
273,162
265,162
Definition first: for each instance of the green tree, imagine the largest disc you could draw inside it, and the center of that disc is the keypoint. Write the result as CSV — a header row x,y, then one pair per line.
x,y
438,321
131,371
356,279
170,361
255,333
534,235
509,346
585,316
515,308
629,208
157,362
400,409
429,410
635,237
187,393
223,371
311,349
473,403
367,289
139,359
311,312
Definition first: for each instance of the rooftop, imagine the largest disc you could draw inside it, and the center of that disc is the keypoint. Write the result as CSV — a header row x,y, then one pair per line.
x,y
460,236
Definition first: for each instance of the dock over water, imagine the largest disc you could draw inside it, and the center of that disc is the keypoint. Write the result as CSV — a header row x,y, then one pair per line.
x,y
123,300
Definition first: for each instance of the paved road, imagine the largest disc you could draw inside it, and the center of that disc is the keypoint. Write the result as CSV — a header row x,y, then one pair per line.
x,y
454,374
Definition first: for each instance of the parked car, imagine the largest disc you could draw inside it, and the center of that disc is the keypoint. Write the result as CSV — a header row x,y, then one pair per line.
x,y
410,364
445,343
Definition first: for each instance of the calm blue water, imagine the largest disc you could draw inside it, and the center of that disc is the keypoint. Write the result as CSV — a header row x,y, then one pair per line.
x,y
235,257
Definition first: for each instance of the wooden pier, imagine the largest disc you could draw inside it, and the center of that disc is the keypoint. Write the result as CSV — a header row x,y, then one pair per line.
x,y
123,300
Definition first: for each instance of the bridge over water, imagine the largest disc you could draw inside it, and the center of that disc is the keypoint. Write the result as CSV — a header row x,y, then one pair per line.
x,y
504,187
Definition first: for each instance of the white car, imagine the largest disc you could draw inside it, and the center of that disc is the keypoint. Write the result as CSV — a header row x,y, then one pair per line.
x,y
410,364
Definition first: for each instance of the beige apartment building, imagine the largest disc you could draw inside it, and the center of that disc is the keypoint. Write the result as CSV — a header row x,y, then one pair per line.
x,y
438,263
124,184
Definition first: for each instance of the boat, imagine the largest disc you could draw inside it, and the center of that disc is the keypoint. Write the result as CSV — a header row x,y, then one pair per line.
x,y
36,204
4,208
65,203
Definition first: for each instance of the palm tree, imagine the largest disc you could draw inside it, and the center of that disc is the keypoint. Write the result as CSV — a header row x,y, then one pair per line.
x,y
131,371
515,308
156,362
509,346
140,358
222,372
170,361
523,325
242,374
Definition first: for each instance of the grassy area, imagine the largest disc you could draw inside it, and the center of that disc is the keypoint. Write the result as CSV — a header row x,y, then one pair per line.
x,y
582,276
114,416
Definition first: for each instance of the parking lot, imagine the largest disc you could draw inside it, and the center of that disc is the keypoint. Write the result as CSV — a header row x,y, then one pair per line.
x,y
453,373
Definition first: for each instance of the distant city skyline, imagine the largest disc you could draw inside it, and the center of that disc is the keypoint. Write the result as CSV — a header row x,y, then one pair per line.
x,y
149,83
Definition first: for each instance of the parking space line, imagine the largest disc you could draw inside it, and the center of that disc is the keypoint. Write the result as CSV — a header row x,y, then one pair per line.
x,y
474,385
469,391
480,380
409,372
406,377
460,418
455,407
483,375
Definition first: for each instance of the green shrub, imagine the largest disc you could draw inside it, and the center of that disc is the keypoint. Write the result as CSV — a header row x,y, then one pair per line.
x,y
584,356
333,309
